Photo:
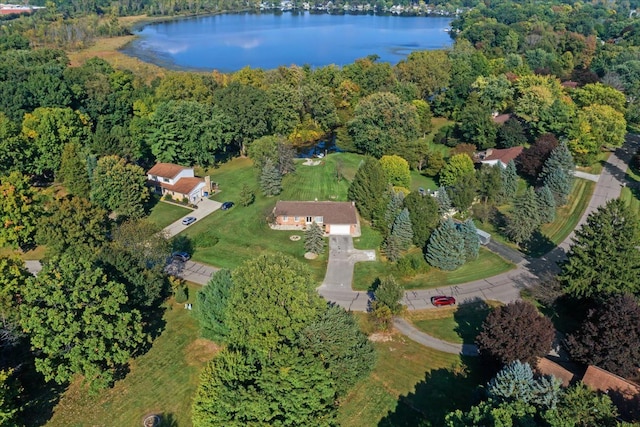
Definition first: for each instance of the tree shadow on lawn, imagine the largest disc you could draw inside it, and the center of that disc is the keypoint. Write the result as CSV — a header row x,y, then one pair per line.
x,y
469,318
442,391
40,397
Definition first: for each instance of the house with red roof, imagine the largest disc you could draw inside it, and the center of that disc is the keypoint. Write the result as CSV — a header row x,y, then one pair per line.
x,y
495,156
178,181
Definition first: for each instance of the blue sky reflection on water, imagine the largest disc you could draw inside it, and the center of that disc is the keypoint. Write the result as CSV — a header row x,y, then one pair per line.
x,y
231,42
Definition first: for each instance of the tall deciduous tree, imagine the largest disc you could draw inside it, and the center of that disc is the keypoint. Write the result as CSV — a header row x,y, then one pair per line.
x,y
445,249
80,322
511,134
515,331
610,337
9,406
73,223
428,70
270,179
212,305
458,166
388,293
119,187
19,211
531,160
396,170
476,125
380,121
74,173
13,276
604,258
368,189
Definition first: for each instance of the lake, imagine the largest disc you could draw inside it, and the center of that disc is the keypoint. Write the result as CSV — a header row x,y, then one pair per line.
x,y
269,40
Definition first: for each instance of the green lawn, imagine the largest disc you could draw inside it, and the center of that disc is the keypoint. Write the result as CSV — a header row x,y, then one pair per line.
x,y
162,214
630,193
488,264
567,218
163,380
410,385
460,324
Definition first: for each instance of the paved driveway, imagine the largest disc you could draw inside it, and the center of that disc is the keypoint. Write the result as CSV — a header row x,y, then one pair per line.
x,y
205,208
336,286
191,271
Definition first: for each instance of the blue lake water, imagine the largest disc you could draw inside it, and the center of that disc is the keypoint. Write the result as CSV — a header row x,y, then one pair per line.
x,y
231,42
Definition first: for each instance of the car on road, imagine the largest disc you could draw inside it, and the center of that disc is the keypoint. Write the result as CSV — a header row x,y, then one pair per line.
x,y
180,256
442,300
189,220
226,206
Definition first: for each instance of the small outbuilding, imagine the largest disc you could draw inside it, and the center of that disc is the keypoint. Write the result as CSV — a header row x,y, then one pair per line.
x,y
336,218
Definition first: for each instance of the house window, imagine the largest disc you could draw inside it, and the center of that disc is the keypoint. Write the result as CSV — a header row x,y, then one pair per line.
x,y
166,180
318,220
309,220
296,218
285,218
154,178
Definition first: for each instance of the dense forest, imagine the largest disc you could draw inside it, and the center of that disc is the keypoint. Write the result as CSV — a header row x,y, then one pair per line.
x,y
565,76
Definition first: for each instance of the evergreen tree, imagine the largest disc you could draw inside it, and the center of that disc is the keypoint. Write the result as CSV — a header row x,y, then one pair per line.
x,y
402,229
211,307
423,212
604,258
546,205
336,339
73,170
391,248
509,181
445,249
516,382
368,189
559,184
560,158
471,239
524,219
394,207
247,195
270,179
444,203
314,239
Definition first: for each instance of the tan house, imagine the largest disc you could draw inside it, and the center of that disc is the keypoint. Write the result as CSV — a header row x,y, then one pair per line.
x,y
178,181
333,217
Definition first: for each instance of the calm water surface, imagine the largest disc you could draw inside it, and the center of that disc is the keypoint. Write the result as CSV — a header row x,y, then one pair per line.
x,y
230,42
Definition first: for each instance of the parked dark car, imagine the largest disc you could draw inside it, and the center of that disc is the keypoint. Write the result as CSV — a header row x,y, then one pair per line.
x,y
180,256
442,300
226,206
189,220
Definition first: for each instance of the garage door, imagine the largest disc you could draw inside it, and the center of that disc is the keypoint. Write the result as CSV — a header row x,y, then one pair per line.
x,y
340,229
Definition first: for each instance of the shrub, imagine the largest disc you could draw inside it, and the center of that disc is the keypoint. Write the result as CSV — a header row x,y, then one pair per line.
x,y
206,240
181,294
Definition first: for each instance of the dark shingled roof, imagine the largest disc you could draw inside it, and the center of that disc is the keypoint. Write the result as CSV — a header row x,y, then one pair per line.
x,y
332,212
166,170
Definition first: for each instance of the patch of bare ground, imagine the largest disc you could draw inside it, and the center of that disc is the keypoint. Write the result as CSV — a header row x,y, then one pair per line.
x,y
200,351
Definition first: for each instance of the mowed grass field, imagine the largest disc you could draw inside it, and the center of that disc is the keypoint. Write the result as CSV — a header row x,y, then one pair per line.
x,y
410,385
163,213
488,264
163,380
458,324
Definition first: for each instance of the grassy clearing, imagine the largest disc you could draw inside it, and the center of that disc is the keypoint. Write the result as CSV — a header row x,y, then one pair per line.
x,y
567,218
163,214
488,264
410,385
460,324
630,194
243,232
163,380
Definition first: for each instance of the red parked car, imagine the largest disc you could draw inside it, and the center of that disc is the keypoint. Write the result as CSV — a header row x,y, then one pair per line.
x,y
442,300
